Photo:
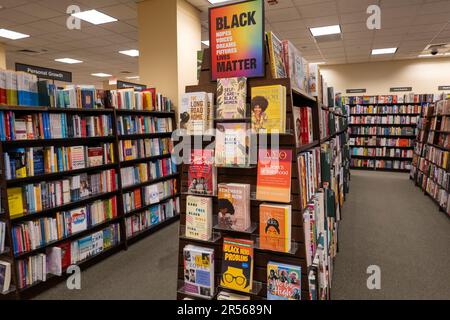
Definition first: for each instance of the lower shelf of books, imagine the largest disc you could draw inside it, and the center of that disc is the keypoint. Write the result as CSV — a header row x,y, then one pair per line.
x,y
380,169
141,234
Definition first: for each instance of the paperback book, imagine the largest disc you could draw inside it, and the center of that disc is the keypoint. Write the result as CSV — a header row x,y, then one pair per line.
x,y
268,108
275,227
234,206
202,174
198,270
231,98
198,217
232,144
283,281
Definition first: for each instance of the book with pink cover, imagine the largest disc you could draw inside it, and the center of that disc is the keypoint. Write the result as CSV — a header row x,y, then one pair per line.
x,y
234,206
202,173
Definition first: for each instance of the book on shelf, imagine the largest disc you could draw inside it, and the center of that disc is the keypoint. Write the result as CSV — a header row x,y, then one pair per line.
x,y
224,295
283,281
311,170
138,124
202,174
231,98
2,236
5,276
194,113
234,206
11,87
276,56
78,218
297,68
199,218
274,175
198,270
268,108
314,76
15,202
303,125
54,260
275,223
232,144
237,264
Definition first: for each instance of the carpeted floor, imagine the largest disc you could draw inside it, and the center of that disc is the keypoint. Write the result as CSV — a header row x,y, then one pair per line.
x,y
387,222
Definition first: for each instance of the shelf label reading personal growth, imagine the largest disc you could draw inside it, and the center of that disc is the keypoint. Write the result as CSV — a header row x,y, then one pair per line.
x,y
401,89
45,73
236,37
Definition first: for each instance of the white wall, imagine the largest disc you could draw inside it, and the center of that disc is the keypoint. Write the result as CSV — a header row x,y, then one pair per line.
x,y
423,75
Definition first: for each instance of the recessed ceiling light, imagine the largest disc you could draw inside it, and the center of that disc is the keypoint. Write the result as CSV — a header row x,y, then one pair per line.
x,y
94,17
217,1
384,51
13,35
131,53
133,77
324,31
206,42
68,60
101,74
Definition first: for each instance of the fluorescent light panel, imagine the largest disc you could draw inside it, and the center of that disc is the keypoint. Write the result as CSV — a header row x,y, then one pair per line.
x,y
217,1
13,35
133,77
94,17
68,60
325,31
131,53
384,51
101,74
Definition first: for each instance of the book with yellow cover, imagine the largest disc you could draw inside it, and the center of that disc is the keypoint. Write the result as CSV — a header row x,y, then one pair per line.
x,y
237,264
268,108
277,65
274,175
15,202
275,227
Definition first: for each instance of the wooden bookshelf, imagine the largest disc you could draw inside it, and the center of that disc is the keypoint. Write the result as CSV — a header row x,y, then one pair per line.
x,y
30,291
248,175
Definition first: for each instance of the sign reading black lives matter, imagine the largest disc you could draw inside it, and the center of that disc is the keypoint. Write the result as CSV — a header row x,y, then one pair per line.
x,y
45,73
236,39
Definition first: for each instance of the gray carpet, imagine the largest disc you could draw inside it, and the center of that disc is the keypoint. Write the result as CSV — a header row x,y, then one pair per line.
x,y
387,222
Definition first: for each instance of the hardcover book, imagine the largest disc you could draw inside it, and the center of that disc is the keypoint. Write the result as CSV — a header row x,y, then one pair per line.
x,y
277,65
194,113
95,156
198,270
202,172
237,264
231,98
234,206
232,144
283,281
274,175
198,217
268,108
275,227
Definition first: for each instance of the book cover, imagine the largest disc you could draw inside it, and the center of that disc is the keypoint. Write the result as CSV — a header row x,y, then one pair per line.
x,y
274,175
231,98
54,260
65,255
277,64
268,108
95,156
237,264
5,276
202,172
232,144
15,202
234,206
193,113
198,270
198,217
275,227
78,220
283,281
77,157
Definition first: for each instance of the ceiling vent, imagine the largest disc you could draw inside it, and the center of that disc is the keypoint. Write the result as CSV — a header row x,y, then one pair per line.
x,y
29,52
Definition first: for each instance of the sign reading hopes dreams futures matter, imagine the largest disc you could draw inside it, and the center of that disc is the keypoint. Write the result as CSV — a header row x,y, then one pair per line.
x,y
236,38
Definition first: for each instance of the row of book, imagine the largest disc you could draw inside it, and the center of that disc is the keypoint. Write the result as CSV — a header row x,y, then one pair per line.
x,y
441,139
18,88
144,172
384,120
327,123
147,99
439,175
33,198
407,98
144,148
381,164
309,167
143,124
154,215
31,235
47,125
442,107
374,109
392,131
148,195
56,259
382,152
437,156
440,123
283,281
434,190
381,142
28,162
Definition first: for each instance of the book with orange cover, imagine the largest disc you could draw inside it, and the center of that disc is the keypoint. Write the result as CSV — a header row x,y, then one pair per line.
x,y
274,175
275,227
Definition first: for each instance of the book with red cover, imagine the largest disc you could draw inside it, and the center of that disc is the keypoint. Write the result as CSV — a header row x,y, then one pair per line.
x,y
202,172
274,175
65,255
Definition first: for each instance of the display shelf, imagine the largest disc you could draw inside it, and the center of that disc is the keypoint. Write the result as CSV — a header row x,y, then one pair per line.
x,y
251,230
128,163
292,252
307,147
56,142
381,157
215,236
384,114
383,135
255,291
157,114
183,291
388,147
38,109
439,147
386,104
382,125
380,169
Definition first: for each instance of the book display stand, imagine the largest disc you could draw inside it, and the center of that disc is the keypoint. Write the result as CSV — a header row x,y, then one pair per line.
x,y
248,175
19,291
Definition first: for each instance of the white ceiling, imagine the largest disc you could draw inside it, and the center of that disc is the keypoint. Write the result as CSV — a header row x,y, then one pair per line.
x,y
409,25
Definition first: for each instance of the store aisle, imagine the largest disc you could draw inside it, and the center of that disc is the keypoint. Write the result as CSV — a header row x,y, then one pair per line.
x,y
388,222
148,270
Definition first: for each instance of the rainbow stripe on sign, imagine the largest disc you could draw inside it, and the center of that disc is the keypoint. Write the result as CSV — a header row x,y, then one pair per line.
x,y
236,34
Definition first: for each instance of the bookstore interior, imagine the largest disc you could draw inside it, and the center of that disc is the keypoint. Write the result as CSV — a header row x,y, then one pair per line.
x,y
264,150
